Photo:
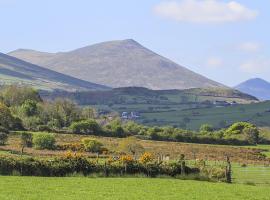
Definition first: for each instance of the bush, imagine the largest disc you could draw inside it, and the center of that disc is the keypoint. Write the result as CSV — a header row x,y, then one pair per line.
x,y
74,164
92,145
85,127
44,141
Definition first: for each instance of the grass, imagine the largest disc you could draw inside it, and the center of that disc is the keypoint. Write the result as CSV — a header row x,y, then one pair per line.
x,y
257,175
32,188
217,116
193,115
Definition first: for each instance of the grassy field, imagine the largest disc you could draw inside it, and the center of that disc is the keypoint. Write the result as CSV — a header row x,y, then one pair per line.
x,y
247,155
193,115
193,118
32,188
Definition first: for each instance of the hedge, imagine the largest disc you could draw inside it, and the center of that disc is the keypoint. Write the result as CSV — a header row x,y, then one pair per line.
x,y
59,167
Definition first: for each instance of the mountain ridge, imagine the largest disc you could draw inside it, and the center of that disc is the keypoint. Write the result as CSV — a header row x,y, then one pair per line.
x,y
119,63
16,71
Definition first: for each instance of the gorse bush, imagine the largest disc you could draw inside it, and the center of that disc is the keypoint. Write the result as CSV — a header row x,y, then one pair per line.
x,y
44,141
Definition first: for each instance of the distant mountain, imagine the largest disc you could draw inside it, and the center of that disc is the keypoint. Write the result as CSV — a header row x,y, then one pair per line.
x,y
256,87
119,64
16,71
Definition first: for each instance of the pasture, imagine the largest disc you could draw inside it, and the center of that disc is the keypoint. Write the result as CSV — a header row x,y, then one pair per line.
x,y
32,188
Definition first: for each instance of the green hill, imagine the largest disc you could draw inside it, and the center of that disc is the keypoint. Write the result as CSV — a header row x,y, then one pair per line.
x,y
182,108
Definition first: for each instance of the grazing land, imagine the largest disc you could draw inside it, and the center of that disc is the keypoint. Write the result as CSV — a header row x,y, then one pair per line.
x,y
30,188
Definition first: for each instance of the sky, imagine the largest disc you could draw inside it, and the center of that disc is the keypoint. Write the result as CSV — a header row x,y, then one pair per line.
x,y
225,40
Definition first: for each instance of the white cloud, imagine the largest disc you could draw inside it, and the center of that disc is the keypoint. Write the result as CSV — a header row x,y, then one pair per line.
x,y
250,47
258,65
214,62
204,11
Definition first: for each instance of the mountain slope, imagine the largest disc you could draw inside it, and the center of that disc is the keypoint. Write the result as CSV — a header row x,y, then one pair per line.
x,y
119,64
256,87
16,71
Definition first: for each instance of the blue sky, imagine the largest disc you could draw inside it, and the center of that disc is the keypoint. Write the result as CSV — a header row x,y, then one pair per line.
x,y
227,41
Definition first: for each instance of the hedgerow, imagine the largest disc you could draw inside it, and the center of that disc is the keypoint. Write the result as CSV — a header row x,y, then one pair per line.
x,y
64,166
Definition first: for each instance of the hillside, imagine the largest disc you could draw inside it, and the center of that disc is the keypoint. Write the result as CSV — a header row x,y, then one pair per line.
x,y
182,108
256,87
15,71
119,64
139,95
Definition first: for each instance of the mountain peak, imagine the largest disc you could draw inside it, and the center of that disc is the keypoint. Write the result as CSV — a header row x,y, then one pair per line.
x,y
121,63
257,87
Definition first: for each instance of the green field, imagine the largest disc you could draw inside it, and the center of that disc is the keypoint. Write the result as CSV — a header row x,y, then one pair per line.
x,y
33,188
192,116
187,109
218,117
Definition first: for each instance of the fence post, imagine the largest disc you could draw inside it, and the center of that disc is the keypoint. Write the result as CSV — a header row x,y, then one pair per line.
x,y
183,164
228,171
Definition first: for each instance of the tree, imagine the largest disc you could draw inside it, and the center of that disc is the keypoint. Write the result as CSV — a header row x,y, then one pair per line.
x,y
26,140
60,113
14,95
6,119
88,113
252,134
131,145
238,127
29,108
132,128
85,127
116,129
3,135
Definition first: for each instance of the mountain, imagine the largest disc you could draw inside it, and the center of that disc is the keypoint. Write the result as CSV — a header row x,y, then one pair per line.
x,y
256,87
16,71
119,64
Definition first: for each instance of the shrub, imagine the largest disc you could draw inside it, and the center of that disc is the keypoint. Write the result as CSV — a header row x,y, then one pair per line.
x,y
206,128
146,158
44,141
71,147
85,127
92,145
127,159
